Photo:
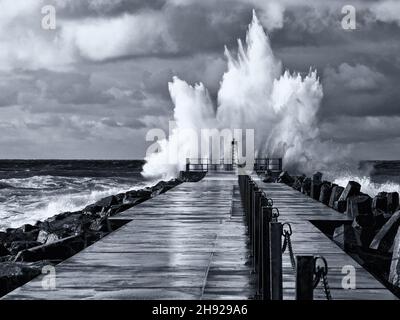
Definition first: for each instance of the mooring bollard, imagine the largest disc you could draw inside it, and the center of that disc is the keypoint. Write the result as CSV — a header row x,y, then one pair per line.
x,y
256,207
275,239
304,277
251,200
265,252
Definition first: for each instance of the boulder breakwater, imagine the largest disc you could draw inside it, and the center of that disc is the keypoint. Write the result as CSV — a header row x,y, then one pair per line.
x,y
24,251
373,238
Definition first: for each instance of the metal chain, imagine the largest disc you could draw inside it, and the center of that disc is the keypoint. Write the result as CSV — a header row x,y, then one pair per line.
x,y
287,244
327,290
321,275
291,254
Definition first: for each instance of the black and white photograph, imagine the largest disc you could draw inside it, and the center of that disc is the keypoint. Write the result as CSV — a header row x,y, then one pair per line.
x,y
203,157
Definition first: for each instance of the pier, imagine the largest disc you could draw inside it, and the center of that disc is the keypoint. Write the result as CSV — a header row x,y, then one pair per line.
x,y
206,240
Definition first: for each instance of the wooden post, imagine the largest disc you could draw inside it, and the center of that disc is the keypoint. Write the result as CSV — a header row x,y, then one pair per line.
x,y
187,164
304,277
251,194
265,253
256,221
275,238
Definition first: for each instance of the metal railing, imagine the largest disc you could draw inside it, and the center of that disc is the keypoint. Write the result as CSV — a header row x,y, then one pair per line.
x,y
205,164
265,234
264,164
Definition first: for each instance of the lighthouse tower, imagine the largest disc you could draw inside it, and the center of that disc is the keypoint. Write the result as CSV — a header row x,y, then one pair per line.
x,y
234,155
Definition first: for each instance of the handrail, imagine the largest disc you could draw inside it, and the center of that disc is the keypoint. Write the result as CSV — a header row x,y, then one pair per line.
x,y
265,239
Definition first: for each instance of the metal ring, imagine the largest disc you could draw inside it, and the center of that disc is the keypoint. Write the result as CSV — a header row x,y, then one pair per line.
x,y
289,232
317,268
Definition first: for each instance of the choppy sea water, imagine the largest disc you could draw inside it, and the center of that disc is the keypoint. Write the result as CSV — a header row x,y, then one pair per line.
x,y
373,176
32,190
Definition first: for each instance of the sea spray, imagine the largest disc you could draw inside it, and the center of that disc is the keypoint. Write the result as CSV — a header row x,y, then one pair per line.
x,y
253,93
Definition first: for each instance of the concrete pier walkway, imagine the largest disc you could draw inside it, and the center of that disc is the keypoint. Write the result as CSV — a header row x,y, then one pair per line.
x,y
301,211
188,243
191,243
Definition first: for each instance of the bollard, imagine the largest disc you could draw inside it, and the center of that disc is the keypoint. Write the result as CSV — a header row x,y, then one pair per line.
x,y
256,228
304,277
275,239
250,208
265,253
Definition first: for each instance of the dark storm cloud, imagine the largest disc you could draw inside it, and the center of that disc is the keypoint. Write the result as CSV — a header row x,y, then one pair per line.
x,y
73,9
102,76
131,123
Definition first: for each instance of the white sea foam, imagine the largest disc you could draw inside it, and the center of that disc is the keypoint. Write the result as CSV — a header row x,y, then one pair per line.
x,y
367,185
254,93
40,197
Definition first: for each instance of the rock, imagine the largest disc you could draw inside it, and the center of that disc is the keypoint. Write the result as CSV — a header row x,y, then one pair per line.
x,y
285,178
3,236
47,237
18,246
130,197
18,234
100,224
325,193
57,250
306,186
315,189
191,176
42,236
67,224
340,205
384,239
317,177
3,251
364,230
159,188
316,183
379,204
335,194
352,189
394,275
269,179
28,228
392,201
101,205
118,208
346,237
298,182
359,205
15,274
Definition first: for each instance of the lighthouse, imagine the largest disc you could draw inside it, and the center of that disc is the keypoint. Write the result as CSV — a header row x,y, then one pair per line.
x,y
234,153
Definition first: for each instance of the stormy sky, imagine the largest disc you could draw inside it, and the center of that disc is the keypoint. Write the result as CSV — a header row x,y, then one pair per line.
x,y
96,84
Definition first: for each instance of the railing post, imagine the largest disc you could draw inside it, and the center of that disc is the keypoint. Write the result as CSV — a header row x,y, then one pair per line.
x,y
275,236
304,277
250,208
265,253
256,214
187,165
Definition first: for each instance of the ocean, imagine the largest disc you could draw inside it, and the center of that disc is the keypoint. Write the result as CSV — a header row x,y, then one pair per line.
x,y
32,190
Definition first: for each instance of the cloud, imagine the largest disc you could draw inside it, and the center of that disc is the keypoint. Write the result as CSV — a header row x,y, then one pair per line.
x,y
99,39
386,11
354,78
130,123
